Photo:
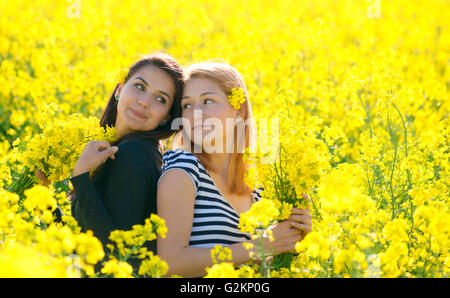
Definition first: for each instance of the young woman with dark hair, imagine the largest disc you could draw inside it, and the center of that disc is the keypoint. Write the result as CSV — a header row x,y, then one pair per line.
x,y
122,190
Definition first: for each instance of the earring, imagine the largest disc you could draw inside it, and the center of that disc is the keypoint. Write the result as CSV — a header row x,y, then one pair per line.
x,y
163,123
117,97
237,118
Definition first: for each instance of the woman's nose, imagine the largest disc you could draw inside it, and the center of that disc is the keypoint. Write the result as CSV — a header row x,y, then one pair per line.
x,y
143,102
198,113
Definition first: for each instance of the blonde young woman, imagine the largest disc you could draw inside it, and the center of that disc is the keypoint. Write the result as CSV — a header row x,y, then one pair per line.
x,y
201,192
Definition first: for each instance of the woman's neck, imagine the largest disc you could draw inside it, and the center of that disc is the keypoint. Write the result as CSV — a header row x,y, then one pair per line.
x,y
218,163
120,131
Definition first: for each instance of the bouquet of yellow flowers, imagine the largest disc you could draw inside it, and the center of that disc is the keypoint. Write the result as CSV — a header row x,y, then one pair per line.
x,y
57,148
297,158
131,246
300,160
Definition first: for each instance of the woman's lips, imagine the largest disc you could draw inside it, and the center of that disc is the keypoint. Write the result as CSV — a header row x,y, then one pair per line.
x,y
137,114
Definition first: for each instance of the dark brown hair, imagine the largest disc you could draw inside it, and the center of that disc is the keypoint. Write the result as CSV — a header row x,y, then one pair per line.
x,y
166,63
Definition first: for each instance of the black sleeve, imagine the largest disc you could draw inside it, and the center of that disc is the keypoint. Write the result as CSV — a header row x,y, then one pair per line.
x,y
128,190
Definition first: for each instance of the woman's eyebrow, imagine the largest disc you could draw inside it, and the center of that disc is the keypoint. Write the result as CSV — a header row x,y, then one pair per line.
x,y
167,95
204,93
210,92
145,82
142,80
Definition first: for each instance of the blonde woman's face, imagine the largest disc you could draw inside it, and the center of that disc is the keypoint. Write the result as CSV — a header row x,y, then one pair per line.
x,y
208,117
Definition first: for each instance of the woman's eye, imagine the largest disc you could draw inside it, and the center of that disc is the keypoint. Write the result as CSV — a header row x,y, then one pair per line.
x,y
139,86
187,106
161,99
208,101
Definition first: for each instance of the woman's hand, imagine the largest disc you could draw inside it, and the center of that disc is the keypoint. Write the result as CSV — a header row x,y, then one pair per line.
x,y
284,237
94,154
41,176
287,233
301,218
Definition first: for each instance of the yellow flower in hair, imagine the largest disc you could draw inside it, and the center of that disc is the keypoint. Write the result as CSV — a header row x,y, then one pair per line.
x,y
236,98
123,74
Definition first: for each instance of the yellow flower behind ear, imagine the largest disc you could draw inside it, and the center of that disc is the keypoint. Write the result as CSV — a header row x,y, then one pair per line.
x,y
123,74
236,98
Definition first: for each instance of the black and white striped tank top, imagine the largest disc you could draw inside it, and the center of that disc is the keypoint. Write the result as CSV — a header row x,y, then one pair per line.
x,y
215,221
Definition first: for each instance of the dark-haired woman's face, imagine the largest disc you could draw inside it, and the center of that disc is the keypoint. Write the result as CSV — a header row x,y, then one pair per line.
x,y
144,100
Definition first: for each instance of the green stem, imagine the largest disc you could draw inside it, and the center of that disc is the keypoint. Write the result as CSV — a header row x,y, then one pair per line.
x,y
264,269
390,183
404,129
368,181
316,210
369,120
394,142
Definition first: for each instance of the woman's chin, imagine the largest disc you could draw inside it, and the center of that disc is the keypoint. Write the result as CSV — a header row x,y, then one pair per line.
x,y
139,125
135,127
208,146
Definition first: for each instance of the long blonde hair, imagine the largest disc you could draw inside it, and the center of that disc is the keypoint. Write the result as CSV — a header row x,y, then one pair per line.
x,y
227,78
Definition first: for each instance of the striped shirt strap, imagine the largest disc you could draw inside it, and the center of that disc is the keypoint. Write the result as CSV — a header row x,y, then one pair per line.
x,y
256,193
185,161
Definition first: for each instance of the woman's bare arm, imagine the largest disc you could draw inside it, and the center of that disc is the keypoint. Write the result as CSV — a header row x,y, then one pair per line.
x,y
175,201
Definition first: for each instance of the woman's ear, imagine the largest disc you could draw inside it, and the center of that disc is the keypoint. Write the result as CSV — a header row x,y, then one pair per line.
x,y
118,91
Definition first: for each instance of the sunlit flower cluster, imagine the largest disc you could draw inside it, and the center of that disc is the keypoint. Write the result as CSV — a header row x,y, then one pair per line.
x,y
56,150
128,245
236,98
34,244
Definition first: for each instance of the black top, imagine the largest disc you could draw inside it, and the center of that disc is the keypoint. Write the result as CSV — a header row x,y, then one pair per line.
x,y
122,193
